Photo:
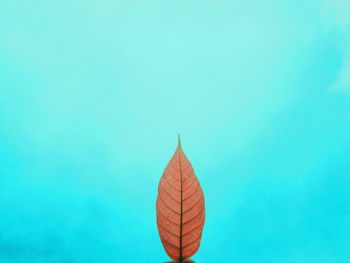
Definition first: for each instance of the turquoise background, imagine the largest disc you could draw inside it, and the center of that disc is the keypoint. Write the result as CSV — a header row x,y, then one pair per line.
x,y
94,93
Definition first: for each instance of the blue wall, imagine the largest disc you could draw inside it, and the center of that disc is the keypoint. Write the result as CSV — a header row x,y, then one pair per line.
x,y
94,93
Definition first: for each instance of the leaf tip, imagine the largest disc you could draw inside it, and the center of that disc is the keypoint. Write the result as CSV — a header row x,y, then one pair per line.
x,y
179,141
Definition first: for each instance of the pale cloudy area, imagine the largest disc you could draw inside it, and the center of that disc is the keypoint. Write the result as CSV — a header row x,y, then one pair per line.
x,y
337,18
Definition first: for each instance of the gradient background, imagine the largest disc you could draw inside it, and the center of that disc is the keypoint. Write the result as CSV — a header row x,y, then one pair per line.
x,y
94,93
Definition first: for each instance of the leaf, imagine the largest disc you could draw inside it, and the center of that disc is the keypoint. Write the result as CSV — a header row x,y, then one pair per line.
x,y
180,208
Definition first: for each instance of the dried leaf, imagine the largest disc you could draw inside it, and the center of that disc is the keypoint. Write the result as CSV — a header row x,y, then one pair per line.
x,y
180,208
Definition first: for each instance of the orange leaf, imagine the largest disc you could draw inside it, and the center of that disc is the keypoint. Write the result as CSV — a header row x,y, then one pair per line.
x,y
180,208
